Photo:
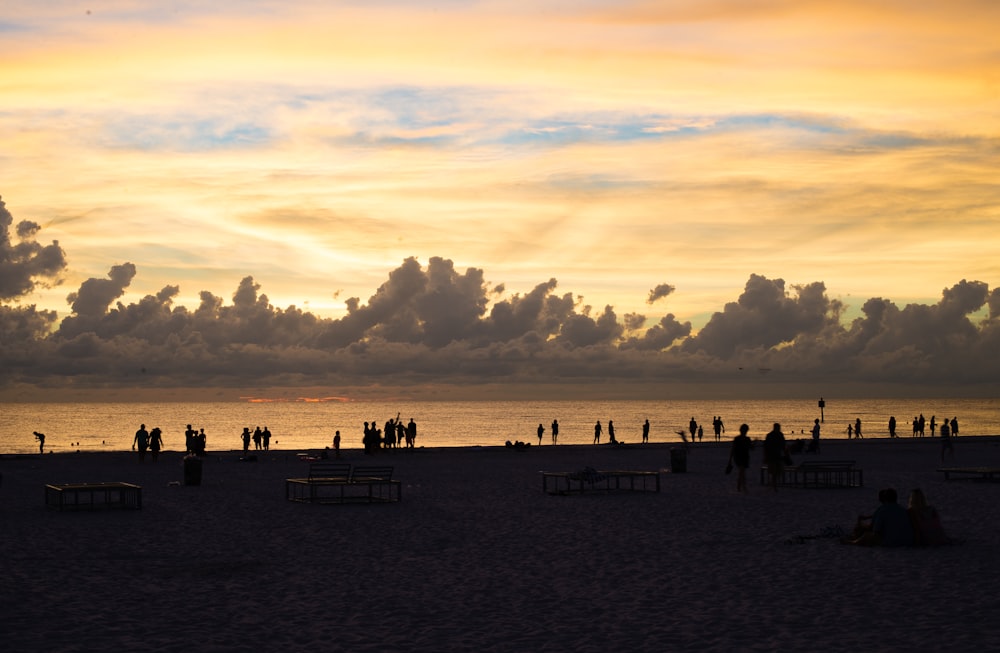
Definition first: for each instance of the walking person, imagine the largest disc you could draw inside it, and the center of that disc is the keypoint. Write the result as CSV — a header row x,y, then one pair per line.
x,y
155,442
141,441
541,432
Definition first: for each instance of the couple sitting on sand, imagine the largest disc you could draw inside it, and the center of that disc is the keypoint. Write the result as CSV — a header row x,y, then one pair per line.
x,y
892,525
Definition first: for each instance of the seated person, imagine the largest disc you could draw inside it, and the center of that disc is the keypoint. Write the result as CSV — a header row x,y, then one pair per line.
x,y
927,529
889,525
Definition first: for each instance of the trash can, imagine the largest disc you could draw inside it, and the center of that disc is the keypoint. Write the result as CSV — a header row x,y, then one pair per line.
x,y
678,460
192,470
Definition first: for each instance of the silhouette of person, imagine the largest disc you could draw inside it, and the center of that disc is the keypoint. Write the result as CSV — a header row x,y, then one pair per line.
x,y
857,429
141,441
555,431
693,427
892,426
597,432
246,439
916,427
889,525
256,439
541,432
701,433
946,444
645,431
611,432
189,434
774,454
155,442
411,433
41,441
718,427
920,425
265,437
954,427
336,444
739,456
933,426
815,434
200,441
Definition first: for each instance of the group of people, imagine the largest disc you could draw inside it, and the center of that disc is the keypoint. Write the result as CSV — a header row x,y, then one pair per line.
x,y
919,524
148,440
261,439
394,435
776,455
194,441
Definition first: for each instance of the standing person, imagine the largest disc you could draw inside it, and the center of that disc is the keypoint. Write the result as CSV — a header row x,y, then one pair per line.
x,y
411,433
541,432
815,434
954,427
892,426
719,428
645,431
774,454
555,431
336,444
155,442
256,438
141,441
916,426
41,441
200,442
693,427
920,425
265,437
857,429
246,439
933,426
946,444
611,432
850,431
597,432
189,434
701,433
739,456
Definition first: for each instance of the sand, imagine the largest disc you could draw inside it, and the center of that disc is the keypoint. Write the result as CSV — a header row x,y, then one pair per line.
x,y
477,557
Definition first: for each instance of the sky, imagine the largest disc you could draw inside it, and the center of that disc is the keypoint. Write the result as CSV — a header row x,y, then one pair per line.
x,y
669,190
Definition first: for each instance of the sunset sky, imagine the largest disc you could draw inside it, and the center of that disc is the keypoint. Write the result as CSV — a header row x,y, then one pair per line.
x,y
615,147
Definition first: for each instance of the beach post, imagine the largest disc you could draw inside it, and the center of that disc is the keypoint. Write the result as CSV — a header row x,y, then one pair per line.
x,y
678,460
192,470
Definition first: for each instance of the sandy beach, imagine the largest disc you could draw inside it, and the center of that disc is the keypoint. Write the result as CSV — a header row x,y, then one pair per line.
x,y
477,557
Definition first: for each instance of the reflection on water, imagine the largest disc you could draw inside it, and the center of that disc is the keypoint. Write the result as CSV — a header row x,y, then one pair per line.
x,y
302,425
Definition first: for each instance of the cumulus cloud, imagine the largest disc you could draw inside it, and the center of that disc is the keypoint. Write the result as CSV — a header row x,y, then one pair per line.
x,y
659,292
436,324
25,264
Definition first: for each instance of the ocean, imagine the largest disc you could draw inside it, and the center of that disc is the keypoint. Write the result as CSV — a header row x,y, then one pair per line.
x,y
310,426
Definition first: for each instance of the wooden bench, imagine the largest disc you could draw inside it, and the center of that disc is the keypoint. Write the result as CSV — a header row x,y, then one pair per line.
x,y
329,482
591,480
76,496
974,473
818,474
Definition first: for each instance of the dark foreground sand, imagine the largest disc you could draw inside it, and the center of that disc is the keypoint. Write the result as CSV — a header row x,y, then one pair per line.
x,y
477,558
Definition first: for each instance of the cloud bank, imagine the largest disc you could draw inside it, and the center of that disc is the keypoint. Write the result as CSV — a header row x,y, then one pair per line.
x,y
435,324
